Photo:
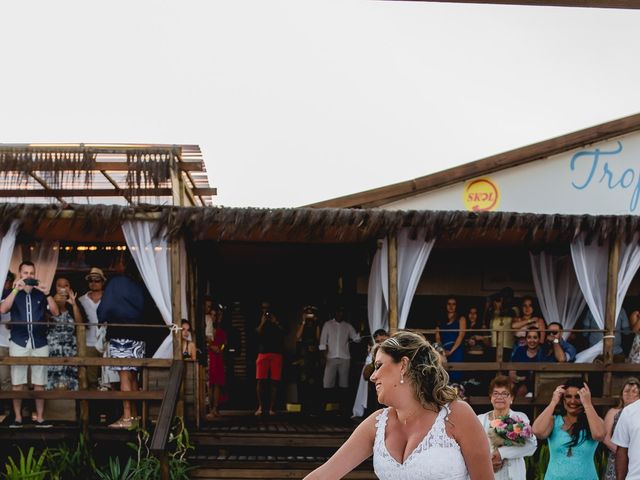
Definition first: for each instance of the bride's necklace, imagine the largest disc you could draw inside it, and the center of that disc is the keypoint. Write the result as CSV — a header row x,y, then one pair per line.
x,y
407,417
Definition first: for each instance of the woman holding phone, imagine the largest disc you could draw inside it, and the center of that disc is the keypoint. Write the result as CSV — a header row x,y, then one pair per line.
x,y
62,337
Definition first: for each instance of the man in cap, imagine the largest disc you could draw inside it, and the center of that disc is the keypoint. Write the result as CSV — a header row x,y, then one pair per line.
x,y
89,302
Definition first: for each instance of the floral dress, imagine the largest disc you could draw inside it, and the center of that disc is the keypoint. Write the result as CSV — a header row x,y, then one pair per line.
x,y
610,473
634,354
62,343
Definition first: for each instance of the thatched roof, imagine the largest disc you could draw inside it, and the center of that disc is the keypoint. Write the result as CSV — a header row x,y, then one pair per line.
x,y
103,173
306,225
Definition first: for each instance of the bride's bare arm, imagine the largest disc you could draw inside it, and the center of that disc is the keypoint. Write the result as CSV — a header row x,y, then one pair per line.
x,y
467,430
352,453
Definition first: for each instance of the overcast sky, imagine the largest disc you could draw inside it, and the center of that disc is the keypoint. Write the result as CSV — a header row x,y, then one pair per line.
x,y
298,101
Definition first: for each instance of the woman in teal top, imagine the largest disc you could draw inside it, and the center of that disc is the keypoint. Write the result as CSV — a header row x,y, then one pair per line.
x,y
574,429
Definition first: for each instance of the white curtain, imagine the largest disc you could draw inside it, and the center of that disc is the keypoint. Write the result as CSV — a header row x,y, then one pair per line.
x,y
412,258
557,289
16,258
44,255
153,261
378,292
7,245
591,266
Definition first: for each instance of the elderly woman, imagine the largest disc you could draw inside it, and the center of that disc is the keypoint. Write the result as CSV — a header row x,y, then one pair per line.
x,y
630,393
425,432
573,429
508,462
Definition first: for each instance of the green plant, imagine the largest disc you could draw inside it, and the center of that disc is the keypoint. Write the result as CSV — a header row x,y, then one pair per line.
x,y
147,466
28,467
537,463
64,463
115,471
178,464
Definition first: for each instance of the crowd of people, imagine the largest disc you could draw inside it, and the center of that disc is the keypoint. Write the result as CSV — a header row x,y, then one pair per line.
x,y
426,431
323,366
40,321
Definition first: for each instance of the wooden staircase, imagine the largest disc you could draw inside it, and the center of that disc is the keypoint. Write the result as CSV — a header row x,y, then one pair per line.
x,y
284,447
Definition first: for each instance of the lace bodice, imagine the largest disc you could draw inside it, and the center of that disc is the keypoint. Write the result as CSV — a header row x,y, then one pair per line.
x,y
436,457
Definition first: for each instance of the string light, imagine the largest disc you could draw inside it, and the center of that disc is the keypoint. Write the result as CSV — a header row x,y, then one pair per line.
x,y
92,248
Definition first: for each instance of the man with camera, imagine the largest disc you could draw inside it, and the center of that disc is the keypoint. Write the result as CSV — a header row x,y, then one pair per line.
x,y
28,303
556,348
269,362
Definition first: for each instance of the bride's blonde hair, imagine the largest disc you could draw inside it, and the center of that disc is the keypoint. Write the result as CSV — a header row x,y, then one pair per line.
x,y
425,370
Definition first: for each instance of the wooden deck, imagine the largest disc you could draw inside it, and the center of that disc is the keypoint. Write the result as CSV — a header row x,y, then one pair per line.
x,y
239,445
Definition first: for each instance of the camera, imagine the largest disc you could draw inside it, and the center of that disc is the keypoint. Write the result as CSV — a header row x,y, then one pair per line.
x,y
31,282
267,315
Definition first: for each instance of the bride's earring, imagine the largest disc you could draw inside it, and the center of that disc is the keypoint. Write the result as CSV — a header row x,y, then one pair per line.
x,y
402,378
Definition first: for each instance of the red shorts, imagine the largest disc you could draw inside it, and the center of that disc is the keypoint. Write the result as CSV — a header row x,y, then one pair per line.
x,y
269,362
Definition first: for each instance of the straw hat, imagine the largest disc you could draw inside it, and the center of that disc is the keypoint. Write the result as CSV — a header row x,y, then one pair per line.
x,y
95,272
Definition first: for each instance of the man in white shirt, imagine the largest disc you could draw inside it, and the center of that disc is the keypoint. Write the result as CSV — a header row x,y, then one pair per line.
x,y
334,341
89,303
627,436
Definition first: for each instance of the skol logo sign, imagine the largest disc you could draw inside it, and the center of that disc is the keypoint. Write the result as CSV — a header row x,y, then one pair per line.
x,y
481,195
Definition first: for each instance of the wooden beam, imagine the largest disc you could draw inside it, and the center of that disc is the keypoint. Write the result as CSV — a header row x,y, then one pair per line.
x,y
100,192
626,4
87,361
610,310
123,167
392,259
83,394
115,184
44,185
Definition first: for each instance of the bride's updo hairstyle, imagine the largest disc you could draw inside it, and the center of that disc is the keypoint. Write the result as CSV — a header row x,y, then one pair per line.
x,y
428,377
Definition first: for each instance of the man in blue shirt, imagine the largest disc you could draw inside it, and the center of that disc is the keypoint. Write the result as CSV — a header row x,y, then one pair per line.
x,y
555,348
123,303
28,303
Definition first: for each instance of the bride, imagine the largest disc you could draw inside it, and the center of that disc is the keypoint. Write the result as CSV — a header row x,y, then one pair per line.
x,y
424,433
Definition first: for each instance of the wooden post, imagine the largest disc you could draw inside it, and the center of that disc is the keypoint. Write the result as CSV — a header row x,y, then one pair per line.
x,y
500,346
81,338
392,259
177,187
176,312
610,312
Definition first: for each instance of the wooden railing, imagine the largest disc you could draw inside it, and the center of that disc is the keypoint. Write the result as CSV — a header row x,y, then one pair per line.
x,y
161,433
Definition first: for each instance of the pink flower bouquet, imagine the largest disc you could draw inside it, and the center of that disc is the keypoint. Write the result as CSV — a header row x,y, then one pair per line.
x,y
508,431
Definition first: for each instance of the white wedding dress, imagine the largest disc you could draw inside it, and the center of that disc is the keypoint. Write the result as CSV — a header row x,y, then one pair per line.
x,y
436,457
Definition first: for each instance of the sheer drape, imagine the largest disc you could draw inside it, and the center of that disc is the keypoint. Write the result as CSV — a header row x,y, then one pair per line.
x,y
152,259
557,289
412,258
44,255
378,292
591,264
7,245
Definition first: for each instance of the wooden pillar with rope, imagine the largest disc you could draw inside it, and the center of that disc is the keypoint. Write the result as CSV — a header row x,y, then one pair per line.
x,y
392,260
177,189
610,313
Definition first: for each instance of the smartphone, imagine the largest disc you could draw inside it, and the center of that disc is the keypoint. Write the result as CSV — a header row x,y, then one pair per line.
x,y
32,282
